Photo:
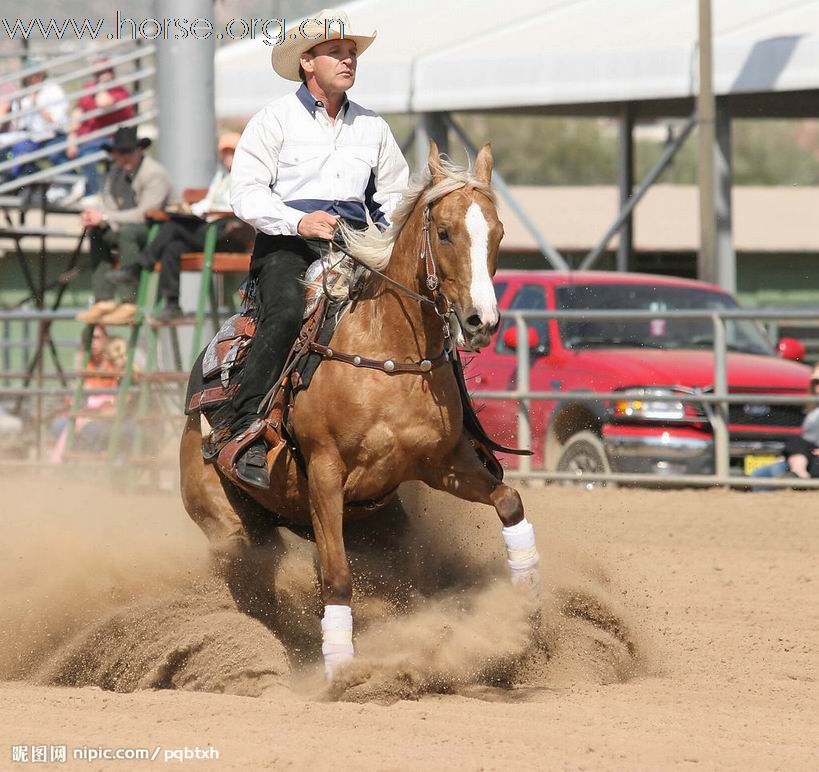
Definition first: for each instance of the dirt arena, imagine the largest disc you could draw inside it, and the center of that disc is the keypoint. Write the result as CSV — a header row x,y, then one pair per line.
x,y
677,630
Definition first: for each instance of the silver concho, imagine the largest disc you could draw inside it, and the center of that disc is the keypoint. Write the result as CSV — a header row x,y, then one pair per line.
x,y
329,353
432,282
356,360
426,366
389,365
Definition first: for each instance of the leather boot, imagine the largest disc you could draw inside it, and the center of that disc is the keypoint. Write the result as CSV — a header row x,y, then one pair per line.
x,y
252,466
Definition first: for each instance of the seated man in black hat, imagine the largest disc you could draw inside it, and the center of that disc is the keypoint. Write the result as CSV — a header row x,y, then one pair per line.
x,y
135,185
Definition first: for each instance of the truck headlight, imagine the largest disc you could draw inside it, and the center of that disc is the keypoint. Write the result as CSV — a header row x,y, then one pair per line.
x,y
643,405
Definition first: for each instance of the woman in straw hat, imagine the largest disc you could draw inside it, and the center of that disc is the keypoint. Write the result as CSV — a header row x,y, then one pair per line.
x,y
304,162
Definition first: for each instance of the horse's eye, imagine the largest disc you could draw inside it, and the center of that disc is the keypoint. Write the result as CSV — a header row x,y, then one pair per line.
x,y
442,234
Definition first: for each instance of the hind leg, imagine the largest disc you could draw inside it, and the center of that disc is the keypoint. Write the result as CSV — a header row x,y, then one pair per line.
x,y
205,499
464,476
243,546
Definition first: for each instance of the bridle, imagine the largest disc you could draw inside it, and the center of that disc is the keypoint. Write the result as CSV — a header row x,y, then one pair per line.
x,y
431,280
437,301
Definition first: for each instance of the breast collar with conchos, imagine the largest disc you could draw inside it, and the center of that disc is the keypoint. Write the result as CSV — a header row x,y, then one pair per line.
x,y
437,300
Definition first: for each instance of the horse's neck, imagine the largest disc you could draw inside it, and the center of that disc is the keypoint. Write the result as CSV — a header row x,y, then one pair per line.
x,y
389,323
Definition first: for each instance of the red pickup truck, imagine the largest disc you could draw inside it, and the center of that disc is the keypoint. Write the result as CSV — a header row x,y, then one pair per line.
x,y
640,359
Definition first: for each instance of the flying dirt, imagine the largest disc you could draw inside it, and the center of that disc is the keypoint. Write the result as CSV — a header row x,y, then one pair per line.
x,y
666,635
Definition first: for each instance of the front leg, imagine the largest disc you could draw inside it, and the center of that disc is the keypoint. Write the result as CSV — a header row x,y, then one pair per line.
x,y
463,475
325,485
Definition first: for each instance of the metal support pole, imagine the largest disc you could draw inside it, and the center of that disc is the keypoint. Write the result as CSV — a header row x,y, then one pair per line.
x,y
430,126
409,142
555,259
185,87
625,178
524,439
706,113
719,411
726,268
651,177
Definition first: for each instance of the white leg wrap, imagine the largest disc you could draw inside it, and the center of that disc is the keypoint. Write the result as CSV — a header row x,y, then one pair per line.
x,y
336,637
522,554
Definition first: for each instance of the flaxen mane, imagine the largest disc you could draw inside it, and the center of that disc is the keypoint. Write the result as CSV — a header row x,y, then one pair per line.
x,y
374,248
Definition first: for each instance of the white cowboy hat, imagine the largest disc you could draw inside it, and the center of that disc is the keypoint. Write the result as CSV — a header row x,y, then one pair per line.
x,y
319,28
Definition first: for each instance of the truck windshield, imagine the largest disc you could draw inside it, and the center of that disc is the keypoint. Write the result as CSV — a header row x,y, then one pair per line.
x,y
741,335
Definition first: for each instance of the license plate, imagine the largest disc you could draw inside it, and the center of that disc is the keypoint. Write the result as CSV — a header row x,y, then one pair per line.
x,y
755,462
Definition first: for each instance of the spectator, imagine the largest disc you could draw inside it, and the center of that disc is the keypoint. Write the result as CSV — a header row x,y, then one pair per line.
x,y
801,452
10,425
45,125
105,100
135,185
7,106
178,236
9,135
99,374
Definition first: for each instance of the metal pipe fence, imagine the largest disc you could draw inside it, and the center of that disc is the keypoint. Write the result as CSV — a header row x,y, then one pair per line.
x,y
715,401
75,163
137,53
123,80
137,58
58,61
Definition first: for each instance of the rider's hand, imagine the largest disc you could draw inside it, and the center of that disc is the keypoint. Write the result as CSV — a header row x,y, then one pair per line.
x,y
317,225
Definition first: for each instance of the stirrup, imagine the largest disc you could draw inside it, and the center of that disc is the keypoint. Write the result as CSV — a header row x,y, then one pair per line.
x,y
253,471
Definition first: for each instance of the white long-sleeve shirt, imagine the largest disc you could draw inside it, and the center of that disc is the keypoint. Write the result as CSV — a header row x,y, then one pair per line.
x,y
293,160
217,199
51,97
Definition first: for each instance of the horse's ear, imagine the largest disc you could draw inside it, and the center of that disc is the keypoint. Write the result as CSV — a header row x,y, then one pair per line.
x,y
434,162
484,164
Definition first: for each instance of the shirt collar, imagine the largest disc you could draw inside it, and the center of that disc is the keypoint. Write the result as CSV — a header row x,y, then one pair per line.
x,y
310,102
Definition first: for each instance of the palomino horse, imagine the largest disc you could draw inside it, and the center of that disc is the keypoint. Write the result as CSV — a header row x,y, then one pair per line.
x,y
364,431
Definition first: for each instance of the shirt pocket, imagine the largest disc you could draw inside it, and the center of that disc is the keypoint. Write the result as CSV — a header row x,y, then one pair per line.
x,y
359,163
291,156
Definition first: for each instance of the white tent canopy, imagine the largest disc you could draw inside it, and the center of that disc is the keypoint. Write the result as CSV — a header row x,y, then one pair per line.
x,y
434,55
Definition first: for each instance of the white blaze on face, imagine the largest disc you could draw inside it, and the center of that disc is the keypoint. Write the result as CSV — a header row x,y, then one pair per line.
x,y
481,289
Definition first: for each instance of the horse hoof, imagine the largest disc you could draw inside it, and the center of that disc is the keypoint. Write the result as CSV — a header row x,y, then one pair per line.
x,y
333,665
528,581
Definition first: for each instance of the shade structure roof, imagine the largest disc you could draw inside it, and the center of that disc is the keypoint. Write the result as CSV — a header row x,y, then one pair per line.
x,y
560,55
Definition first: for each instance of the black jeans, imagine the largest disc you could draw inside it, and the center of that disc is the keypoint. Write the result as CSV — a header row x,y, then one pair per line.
x,y
174,239
276,269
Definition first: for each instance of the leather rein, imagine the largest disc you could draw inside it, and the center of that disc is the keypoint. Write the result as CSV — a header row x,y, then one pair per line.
x,y
439,302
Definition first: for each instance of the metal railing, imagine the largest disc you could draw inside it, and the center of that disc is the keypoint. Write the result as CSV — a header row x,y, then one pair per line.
x,y
40,393
136,57
716,401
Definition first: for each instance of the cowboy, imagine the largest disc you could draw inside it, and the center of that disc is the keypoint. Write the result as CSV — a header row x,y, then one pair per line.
x,y
188,234
135,185
304,162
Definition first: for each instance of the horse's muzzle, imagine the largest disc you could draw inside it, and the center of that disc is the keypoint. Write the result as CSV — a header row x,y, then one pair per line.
x,y
476,333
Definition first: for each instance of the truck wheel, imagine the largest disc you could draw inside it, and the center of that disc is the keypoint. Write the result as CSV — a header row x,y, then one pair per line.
x,y
584,453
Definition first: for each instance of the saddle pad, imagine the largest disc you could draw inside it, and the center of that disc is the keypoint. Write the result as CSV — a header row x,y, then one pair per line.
x,y
229,346
214,380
